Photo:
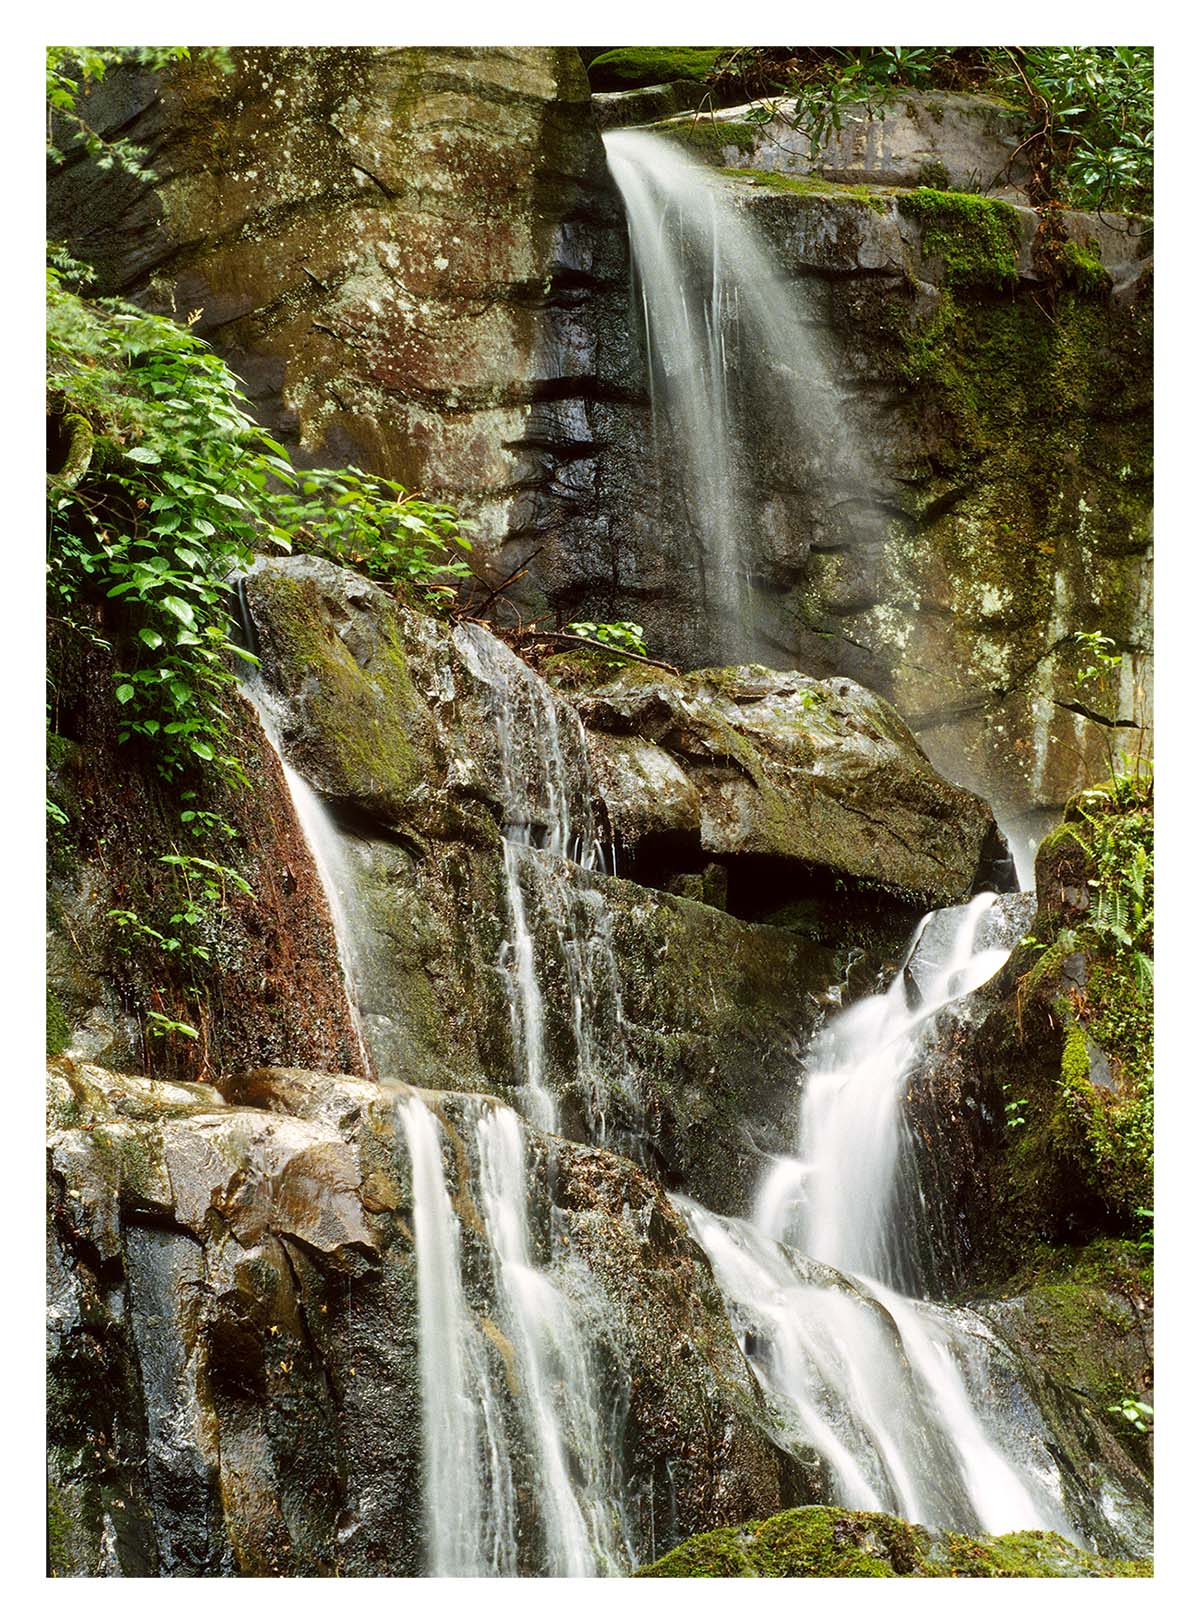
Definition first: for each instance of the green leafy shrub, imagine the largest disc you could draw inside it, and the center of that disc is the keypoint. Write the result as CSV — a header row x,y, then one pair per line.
x,y
374,526
178,488
624,634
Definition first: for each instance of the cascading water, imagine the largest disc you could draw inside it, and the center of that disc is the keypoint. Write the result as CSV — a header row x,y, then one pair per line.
x,y
896,1394
907,1403
725,334
322,837
550,843
507,1383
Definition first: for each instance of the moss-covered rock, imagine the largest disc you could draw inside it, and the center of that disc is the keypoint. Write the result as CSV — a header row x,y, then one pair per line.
x,y
628,67
744,762
1065,1048
826,1542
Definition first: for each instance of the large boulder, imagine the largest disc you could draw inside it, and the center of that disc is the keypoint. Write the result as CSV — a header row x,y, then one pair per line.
x,y
383,242
749,763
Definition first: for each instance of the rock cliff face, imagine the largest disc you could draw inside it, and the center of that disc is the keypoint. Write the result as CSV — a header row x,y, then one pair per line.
x,y
417,260
385,244
581,919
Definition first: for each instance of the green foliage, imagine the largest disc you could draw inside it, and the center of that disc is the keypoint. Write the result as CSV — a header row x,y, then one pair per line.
x,y
1092,109
1134,1410
626,634
374,526
72,69
1121,870
165,513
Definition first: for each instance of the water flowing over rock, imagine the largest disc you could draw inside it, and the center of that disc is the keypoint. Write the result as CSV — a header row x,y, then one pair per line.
x,y
269,1283
594,1143
1005,499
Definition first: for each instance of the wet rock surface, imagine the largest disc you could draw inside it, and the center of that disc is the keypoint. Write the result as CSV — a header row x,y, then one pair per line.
x,y
238,1262
750,762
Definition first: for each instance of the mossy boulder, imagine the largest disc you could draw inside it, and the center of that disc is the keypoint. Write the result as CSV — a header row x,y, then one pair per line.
x,y
748,763
826,1542
629,67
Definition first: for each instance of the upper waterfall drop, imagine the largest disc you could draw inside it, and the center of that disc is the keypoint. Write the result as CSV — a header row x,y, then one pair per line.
x,y
725,331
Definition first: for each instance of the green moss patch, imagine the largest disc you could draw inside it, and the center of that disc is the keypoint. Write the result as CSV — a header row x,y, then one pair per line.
x,y
823,1542
711,138
631,67
975,238
877,198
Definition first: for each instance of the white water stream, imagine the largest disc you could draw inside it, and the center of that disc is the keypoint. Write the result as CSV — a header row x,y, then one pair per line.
x,y
507,1384
550,844
327,849
723,331
898,1395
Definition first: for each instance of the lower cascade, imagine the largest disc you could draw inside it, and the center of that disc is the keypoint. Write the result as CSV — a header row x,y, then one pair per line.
x,y
894,1392
511,1377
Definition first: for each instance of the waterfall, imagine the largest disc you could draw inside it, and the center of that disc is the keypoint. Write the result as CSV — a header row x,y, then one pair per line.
x,y
896,1394
551,842
506,1368
327,849
469,1509
726,336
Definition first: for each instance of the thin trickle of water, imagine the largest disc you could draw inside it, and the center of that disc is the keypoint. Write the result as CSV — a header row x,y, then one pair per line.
x,y
724,335
551,841
327,847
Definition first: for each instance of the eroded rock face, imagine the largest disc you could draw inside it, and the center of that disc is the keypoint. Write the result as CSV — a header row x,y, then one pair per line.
x,y
234,1381
383,242
267,989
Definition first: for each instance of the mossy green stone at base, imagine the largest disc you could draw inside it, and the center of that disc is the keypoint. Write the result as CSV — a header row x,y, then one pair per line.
x,y
827,1542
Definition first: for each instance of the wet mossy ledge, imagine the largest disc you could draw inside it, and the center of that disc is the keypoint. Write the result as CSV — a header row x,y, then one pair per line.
x,y
827,1542
1064,1055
